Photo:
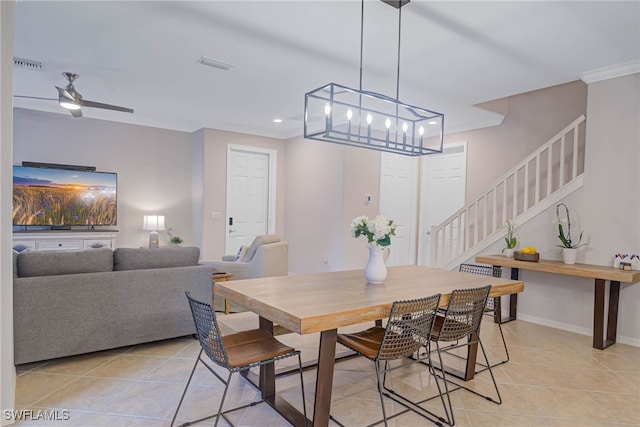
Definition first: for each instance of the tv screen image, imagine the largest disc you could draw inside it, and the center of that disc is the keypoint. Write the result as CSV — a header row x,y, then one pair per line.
x,y
44,196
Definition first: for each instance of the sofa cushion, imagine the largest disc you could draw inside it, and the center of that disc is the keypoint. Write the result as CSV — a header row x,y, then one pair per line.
x,y
143,258
259,241
53,263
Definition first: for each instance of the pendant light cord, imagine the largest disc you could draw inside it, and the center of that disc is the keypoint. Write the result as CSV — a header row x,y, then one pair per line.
x,y
361,39
399,34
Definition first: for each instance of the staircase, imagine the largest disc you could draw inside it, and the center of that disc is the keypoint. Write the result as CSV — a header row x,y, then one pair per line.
x,y
540,181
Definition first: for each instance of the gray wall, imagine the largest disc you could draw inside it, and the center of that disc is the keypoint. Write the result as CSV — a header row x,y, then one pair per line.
x,y
154,166
531,119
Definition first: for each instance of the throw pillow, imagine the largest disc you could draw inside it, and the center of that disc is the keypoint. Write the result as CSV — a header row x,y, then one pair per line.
x,y
259,241
20,248
241,253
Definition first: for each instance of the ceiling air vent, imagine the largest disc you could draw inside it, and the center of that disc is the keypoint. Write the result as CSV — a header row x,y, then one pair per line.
x,y
214,63
27,64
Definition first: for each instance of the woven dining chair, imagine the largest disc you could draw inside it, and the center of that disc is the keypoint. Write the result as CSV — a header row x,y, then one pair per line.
x,y
408,329
461,323
493,304
235,352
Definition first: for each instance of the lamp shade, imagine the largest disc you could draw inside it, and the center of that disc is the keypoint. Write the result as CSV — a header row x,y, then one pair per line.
x,y
153,222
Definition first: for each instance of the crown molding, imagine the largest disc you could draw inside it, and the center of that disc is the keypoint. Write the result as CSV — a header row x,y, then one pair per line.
x,y
611,72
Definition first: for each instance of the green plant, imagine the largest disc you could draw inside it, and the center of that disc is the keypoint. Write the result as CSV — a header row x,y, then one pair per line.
x,y
565,239
510,239
175,240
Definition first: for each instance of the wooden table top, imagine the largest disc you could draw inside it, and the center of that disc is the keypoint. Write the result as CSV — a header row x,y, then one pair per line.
x,y
581,270
318,302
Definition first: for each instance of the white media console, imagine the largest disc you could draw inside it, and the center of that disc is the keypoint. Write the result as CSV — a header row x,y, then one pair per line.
x,y
68,240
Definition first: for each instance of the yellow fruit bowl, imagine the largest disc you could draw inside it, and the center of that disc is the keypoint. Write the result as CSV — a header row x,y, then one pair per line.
x,y
521,256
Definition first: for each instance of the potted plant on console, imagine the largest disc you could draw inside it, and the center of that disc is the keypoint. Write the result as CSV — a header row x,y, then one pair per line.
x,y
510,239
569,247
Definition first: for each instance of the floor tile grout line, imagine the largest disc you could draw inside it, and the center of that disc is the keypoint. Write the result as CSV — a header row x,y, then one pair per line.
x,y
55,391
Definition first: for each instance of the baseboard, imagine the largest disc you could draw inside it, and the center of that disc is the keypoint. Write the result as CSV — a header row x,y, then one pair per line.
x,y
573,328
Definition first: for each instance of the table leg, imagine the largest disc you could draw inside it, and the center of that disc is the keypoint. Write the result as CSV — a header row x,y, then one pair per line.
x,y
513,303
599,340
324,377
266,382
472,354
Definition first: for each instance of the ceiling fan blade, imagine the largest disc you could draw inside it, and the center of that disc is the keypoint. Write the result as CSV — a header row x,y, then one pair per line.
x,y
86,103
76,113
34,97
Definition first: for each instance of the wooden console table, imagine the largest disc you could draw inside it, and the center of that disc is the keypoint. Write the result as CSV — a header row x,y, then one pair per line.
x,y
597,272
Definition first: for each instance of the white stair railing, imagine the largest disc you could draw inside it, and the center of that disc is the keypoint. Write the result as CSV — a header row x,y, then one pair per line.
x,y
534,184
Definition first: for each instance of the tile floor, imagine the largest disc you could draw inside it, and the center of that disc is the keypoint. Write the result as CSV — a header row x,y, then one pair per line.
x,y
554,378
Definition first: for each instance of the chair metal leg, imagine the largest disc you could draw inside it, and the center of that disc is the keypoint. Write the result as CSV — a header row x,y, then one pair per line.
x,y
449,412
432,371
304,405
495,384
186,387
504,343
459,386
380,384
408,403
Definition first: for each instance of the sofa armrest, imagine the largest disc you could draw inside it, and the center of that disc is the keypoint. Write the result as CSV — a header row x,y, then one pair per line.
x,y
239,269
270,260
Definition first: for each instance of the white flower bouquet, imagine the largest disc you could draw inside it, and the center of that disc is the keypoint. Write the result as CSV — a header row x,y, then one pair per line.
x,y
378,231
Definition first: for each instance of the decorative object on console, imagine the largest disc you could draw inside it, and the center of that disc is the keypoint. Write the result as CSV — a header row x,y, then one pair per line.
x,y
569,248
625,261
378,233
153,223
361,118
174,240
510,239
527,254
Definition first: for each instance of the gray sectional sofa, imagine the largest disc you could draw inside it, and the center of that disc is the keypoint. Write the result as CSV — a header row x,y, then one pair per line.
x,y
67,303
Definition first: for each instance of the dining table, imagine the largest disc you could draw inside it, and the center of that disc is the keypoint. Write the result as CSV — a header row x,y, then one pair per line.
x,y
323,302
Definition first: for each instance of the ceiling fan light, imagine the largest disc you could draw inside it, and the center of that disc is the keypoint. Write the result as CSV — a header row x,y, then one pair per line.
x,y
69,105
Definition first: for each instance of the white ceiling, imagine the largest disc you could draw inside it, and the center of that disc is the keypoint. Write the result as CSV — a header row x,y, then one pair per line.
x,y
143,55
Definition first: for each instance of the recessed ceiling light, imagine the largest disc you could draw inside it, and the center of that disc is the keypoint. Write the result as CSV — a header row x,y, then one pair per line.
x,y
277,120
433,123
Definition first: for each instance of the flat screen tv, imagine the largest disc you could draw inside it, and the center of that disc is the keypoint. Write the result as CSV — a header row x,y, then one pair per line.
x,y
61,197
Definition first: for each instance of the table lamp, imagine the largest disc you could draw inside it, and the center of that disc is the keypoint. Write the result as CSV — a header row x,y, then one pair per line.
x,y
153,223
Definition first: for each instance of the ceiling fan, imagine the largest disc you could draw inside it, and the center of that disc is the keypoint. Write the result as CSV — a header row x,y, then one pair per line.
x,y
70,99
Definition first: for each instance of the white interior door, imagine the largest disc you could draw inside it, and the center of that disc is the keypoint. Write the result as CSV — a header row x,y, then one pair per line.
x,y
250,195
398,196
442,192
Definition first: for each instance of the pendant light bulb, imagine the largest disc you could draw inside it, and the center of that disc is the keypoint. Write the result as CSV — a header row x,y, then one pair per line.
x,y
421,131
405,126
387,123
369,119
349,114
327,109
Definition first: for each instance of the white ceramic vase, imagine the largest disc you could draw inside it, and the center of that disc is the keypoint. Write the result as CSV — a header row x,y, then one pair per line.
x,y
376,271
509,252
569,255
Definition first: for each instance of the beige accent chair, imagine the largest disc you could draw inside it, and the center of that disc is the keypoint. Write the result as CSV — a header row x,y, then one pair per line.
x,y
268,256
